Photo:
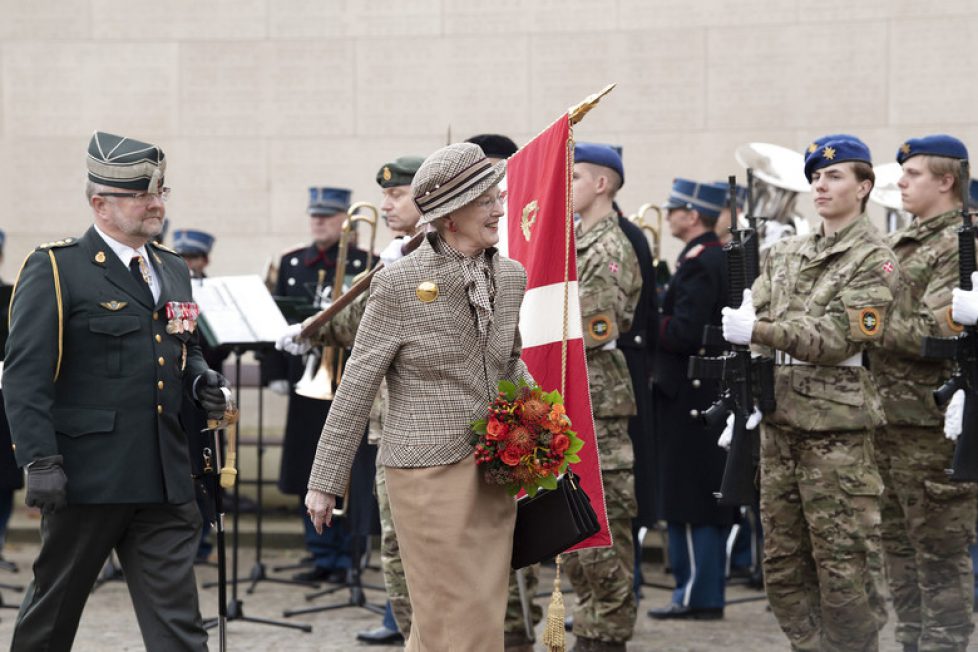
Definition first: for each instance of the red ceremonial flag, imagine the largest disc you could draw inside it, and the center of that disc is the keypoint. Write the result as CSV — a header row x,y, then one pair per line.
x,y
540,230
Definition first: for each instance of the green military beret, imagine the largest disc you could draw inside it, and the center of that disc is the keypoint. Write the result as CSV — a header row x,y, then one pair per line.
x,y
122,162
399,172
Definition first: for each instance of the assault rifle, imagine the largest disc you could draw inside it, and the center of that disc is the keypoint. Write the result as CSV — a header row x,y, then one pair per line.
x,y
963,349
744,379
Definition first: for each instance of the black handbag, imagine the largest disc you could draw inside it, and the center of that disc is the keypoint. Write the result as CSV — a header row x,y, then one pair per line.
x,y
552,521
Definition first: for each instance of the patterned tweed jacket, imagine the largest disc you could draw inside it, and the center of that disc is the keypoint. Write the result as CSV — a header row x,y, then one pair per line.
x,y
439,376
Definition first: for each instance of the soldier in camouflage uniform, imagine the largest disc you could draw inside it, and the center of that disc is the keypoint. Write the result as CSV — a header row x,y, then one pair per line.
x,y
928,521
610,282
821,301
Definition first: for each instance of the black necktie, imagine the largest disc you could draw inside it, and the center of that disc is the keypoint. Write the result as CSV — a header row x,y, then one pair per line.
x,y
137,274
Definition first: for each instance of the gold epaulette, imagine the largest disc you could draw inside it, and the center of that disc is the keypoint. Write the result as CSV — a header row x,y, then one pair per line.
x,y
163,247
58,243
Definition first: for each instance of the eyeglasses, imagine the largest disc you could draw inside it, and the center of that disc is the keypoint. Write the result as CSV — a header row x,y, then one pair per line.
x,y
143,197
488,202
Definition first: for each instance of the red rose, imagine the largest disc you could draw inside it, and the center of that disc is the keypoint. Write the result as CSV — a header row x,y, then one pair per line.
x,y
511,456
559,444
496,429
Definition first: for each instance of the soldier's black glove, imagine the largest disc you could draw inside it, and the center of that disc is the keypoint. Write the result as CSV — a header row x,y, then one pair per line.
x,y
209,394
47,484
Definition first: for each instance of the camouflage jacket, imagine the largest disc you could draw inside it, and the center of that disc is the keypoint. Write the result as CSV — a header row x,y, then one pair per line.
x,y
822,300
928,255
609,282
341,330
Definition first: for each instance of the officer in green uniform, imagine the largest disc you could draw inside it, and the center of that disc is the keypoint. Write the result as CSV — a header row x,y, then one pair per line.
x,y
102,344
820,301
610,282
928,521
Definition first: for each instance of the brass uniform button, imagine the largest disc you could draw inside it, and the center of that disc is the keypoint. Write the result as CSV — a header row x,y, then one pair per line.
x,y
159,385
161,361
159,409
158,338
696,383
156,316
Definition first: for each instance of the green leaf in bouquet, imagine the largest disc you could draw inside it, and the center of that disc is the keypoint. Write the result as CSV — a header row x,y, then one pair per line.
x,y
576,443
479,427
508,389
572,458
553,398
548,482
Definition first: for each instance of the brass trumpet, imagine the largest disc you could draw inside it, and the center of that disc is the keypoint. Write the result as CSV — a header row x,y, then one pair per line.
x,y
655,231
321,382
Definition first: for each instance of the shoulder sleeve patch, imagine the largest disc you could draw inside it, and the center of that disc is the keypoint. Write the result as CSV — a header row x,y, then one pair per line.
x,y
865,323
599,329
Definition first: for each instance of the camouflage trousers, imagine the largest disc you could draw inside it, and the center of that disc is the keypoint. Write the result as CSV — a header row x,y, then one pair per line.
x,y
390,559
928,523
602,577
515,623
820,513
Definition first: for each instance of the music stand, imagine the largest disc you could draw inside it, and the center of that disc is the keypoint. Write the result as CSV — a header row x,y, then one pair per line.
x,y
239,313
360,515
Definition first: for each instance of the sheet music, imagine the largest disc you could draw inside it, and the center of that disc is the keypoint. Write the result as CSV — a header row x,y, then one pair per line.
x,y
238,309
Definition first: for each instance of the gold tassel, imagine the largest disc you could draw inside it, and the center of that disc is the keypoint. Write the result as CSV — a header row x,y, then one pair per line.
x,y
553,633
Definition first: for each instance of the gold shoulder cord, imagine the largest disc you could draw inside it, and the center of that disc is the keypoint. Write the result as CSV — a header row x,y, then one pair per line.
x,y
61,326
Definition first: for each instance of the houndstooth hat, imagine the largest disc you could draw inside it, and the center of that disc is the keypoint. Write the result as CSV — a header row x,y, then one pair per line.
x,y
452,178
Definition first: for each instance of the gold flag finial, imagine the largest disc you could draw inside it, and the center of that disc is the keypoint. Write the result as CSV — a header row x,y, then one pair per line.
x,y
578,112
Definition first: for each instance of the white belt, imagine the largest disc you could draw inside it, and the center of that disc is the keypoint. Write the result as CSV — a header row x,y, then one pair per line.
x,y
780,357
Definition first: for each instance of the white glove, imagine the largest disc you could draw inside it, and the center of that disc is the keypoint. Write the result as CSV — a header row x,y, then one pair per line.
x,y
738,324
392,252
280,386
727,435
964,303
289,341
954,416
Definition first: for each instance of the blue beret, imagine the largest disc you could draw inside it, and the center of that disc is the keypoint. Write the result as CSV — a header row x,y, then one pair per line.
x,y
599,154
706,198
328,201
829,151
192,243
933,145
818,142
741,193
972,194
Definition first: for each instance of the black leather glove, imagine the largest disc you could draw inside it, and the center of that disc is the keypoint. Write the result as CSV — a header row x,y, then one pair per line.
x,y
47,484
209,394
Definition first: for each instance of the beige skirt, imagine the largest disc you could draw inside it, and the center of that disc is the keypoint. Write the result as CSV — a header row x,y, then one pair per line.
x,y
455,533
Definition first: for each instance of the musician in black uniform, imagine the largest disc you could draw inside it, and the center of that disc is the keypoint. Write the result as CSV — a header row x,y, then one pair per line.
x,y
299,276
690,462
11,478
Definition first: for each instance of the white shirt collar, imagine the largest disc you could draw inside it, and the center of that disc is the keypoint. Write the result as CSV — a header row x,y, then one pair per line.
x,y
123,251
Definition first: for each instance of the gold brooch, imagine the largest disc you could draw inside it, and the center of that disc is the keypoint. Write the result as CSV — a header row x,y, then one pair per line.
x,y
427,292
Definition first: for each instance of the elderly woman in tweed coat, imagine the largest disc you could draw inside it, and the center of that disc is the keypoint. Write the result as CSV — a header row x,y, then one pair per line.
x,y
442,325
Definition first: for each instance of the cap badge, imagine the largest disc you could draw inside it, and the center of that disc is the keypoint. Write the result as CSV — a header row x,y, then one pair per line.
x,y
427,292
812,148
828,152
905,148
387,173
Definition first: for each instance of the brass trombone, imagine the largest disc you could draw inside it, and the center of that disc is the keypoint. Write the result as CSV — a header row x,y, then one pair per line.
x,y
655,231
320,382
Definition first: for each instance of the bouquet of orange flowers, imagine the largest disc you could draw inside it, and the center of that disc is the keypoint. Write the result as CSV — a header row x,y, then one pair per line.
x,y
525,442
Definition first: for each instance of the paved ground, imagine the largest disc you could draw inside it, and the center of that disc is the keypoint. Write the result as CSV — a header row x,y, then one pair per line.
x,y
109,624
